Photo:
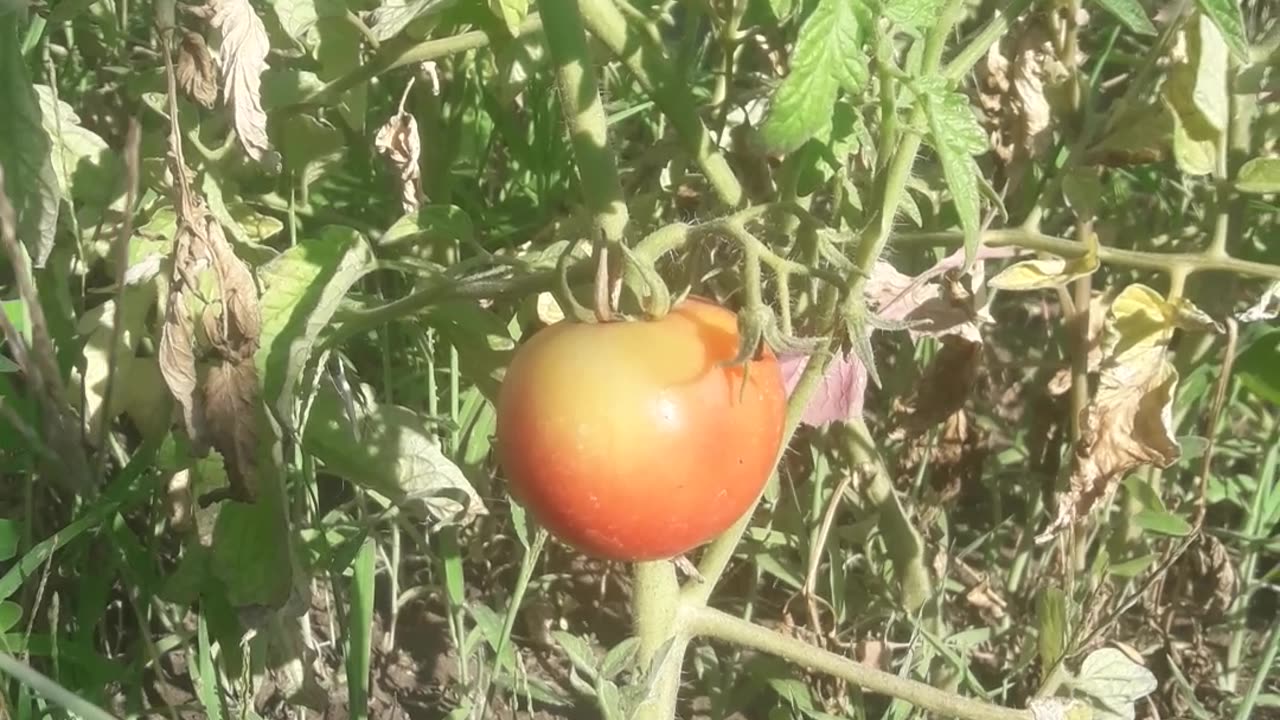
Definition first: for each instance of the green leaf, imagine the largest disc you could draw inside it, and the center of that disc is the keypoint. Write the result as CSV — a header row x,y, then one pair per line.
x,y
430,232
251,550
388,449
1226,15
82,161
1114,681
9,538
359,630
299,16
26,154
619,658
1260,175
782,8
10,615
828,56
1130,13
1132,567
1162,523
395,15
578,651
957,136
1051,616
511,13
917,14
1258,367
301,290
207,688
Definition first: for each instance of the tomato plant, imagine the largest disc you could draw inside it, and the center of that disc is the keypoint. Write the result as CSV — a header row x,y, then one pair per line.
x,y
639,440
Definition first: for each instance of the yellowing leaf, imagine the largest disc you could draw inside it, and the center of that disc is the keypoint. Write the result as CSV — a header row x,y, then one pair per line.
x,y
1129,422
1046,273
1260,175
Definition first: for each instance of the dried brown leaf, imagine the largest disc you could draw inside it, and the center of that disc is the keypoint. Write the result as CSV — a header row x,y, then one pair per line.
x,y
942,390
196,70
178,364
1020,83
1204,581
237,329
398,141
1129,422
243,53
231,394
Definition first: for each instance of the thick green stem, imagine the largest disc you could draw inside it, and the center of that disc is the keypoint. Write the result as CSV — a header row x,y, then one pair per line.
x,y
656,618
584,112
642,54
902,540
707,622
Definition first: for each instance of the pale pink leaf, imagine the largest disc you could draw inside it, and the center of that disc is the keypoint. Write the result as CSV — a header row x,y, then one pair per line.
x,y
840,394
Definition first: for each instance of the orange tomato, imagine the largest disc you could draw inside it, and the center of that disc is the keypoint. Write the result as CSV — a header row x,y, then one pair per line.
x,y
634,440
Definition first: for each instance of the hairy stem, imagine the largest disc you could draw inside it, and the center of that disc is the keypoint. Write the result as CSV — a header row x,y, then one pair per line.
x,y
644,57
711,623
657,621
584,112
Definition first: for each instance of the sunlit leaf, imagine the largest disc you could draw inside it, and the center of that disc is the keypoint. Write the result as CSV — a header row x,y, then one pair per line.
x,y
1131,13
1260,175
26,156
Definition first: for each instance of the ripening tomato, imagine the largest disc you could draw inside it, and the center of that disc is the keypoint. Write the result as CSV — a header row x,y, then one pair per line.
x,y
636,440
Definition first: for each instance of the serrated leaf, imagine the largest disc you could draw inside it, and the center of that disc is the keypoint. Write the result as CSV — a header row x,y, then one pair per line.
x,y
918,14
1226,15
511,13
26,153
301,289
1259,176
1130,13
957,136
578,650
619,657
828,55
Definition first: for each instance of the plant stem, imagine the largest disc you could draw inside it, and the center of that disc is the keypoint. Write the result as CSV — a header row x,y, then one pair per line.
x,y
1260,678
657,620
1163,262
647,61
584,112
393,55
711,623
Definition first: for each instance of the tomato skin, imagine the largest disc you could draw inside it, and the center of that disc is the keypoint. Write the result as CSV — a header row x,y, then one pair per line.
x,y
633,440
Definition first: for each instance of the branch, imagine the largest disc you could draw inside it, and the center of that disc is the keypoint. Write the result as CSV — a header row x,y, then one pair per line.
x,y
1160,262
708,622
646,60
394,55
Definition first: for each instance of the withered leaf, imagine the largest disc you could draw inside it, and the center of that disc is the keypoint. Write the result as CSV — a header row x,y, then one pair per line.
x,y
943,389
231,394
1129,422
236,335
196,71
398,141
244,58
178,364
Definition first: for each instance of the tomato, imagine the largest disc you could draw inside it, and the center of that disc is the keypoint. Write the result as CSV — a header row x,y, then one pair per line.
x,y
636,440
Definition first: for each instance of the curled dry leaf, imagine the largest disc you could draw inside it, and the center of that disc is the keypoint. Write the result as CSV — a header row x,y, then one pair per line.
x,y
942,390
231,396
1061,380
1129,422
243,55
398,141
196,71
178,366
1020,83
1203,581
